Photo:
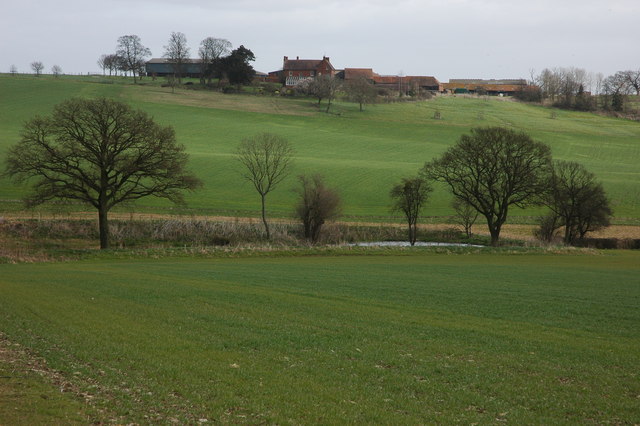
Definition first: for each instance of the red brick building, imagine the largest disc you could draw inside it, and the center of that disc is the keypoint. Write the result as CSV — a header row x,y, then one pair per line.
x,y
297,70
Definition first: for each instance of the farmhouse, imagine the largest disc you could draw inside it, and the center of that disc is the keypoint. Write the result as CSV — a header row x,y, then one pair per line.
x,y
162,67
297,70
490,87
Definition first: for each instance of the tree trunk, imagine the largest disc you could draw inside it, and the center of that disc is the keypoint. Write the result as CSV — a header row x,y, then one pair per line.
x,y
103,226
264,216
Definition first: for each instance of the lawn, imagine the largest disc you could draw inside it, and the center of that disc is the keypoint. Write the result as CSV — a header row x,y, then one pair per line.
x,y
363,154
415,336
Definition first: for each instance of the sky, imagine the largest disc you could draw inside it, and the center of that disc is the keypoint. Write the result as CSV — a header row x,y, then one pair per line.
x,y
445,38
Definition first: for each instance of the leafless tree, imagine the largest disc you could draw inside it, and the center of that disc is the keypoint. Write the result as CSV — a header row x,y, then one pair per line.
x,y
316,205
212,49
632,79
409,197
578,200
37,67
360,91
56,70
466,215
492,169
101,152
177,52
13,70
266,159
323,87
131,51
102,63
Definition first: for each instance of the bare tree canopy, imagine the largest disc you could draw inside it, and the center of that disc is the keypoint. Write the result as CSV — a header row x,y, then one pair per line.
x,y
101,152
211,50
177,52
321,87
409,197
132,52
56,70
360,91
13,69
37,67
577,200
266,159
492,169
316,205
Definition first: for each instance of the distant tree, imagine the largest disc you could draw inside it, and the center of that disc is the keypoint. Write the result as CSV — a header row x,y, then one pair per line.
x,y
37,67
266,159
237,67
492,169
466,215
324,87
316,205
211,50
102,63
13,70
101,152
131,52
632,79
56,70
409,197
577,200
360,91
112,63
177,52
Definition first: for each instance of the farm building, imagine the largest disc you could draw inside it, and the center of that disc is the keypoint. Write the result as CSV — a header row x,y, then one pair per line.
x,y
393,82
490,87
162,67
297,70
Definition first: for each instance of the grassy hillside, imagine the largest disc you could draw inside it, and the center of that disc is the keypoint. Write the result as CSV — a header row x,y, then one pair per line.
x,y
361,153
406,339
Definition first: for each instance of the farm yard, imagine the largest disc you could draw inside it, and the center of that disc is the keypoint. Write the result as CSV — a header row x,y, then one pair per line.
x,y
284,332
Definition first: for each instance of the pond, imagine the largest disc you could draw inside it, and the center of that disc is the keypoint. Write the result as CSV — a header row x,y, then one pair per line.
x,y
406,244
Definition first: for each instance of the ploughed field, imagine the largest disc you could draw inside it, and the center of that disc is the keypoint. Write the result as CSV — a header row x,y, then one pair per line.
x,y
412,337
362,154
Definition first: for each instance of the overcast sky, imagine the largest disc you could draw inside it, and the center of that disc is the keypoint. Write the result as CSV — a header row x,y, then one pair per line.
x,y
444,38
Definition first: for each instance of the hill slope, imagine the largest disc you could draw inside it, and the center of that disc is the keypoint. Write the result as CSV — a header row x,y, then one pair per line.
x,y
360,153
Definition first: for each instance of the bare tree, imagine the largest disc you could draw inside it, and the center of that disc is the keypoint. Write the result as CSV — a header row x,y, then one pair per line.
x,y
466,215
632,78
323,87
56,70
409,197
266,159
37,67
131,52
13,70
101,152
177,52
492,169
578,200
212,49
316,205
102,63
360,91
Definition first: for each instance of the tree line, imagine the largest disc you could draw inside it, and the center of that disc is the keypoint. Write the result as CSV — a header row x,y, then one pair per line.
x,y
217,57
103,152
575,88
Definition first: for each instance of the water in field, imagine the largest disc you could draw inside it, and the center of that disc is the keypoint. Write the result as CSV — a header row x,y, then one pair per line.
x,y
406,244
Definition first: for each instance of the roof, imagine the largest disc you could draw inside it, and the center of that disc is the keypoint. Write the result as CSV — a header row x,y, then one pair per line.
x,y
304,64
354,73
167,61
519,81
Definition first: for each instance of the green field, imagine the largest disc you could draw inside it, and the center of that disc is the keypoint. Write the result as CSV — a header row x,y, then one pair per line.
x,y
360,153
415,337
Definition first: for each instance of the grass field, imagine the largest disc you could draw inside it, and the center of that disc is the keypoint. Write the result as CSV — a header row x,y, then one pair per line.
x,y
360,153
406,338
